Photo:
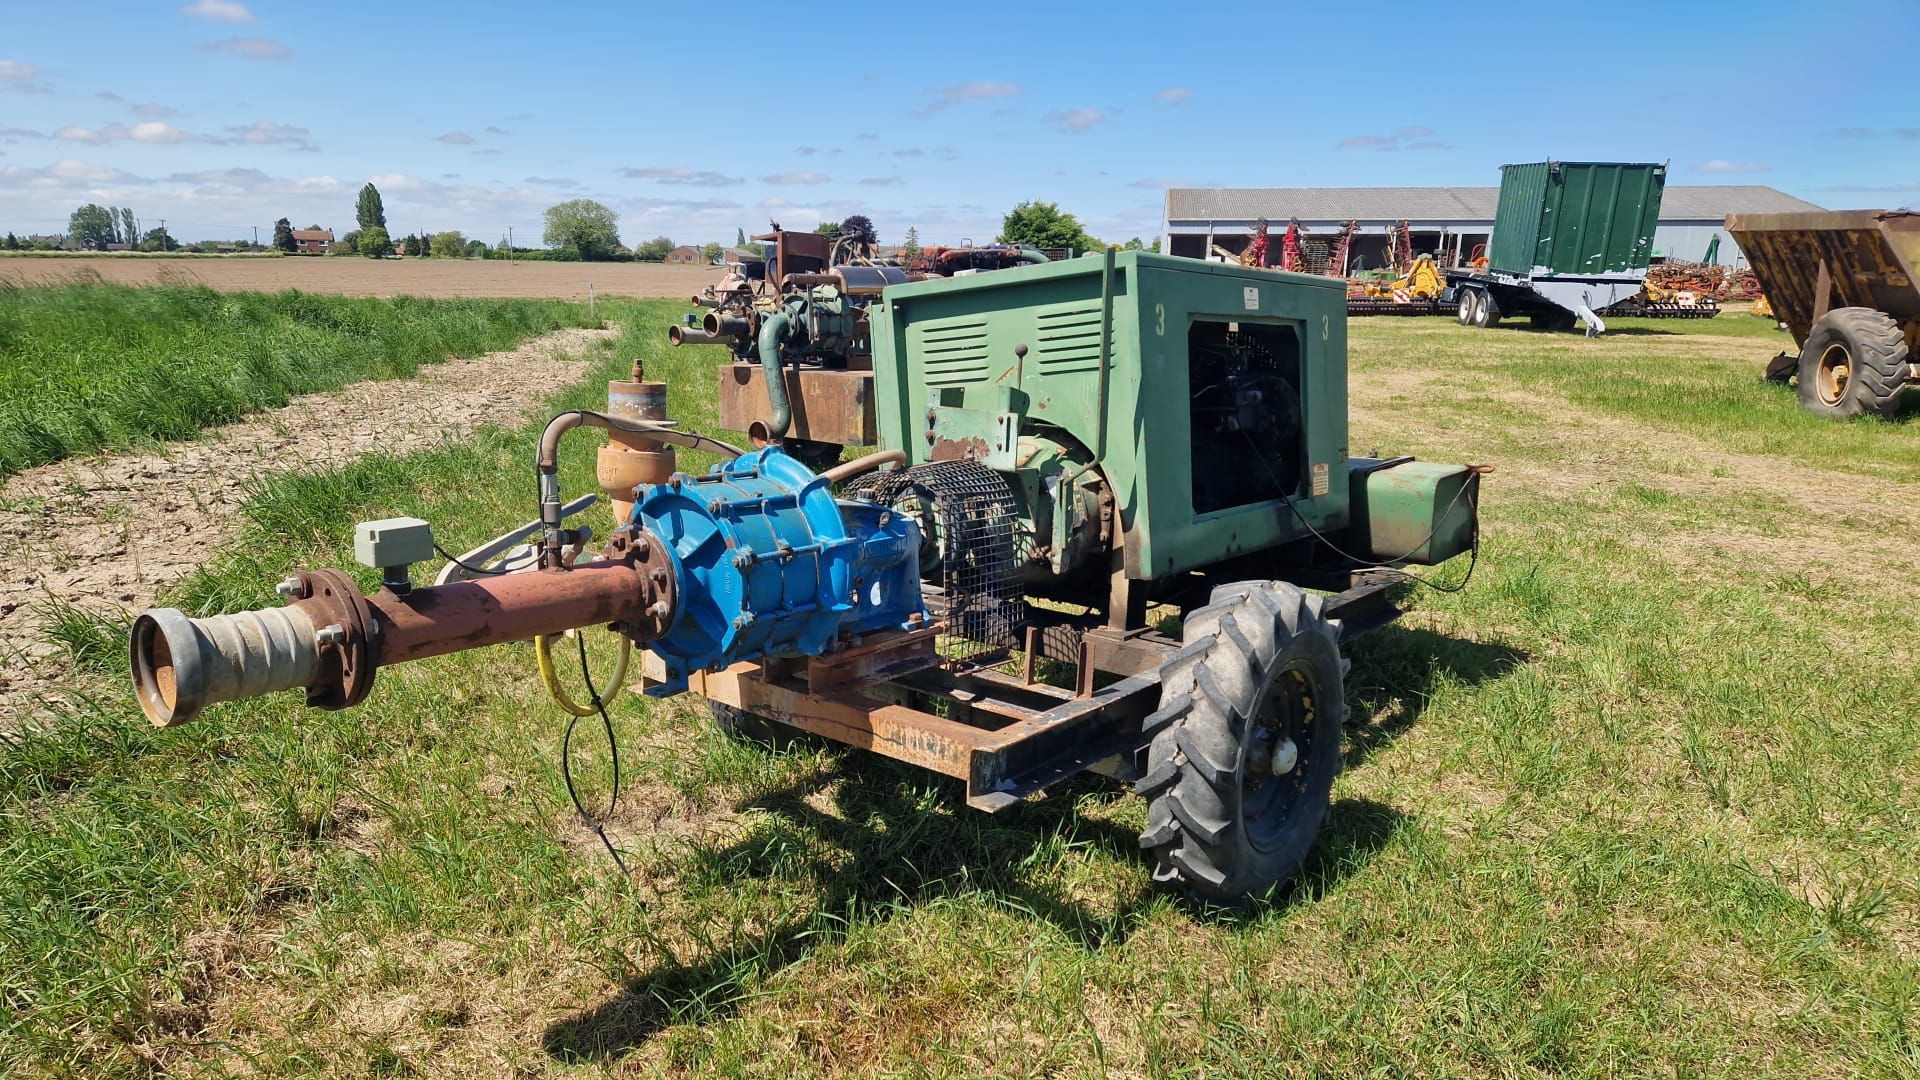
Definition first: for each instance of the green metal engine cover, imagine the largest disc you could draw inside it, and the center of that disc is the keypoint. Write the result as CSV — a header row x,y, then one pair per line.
x,y
1407,511
1195,469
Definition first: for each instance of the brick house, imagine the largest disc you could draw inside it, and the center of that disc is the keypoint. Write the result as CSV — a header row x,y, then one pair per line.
x,y
688,256
312,241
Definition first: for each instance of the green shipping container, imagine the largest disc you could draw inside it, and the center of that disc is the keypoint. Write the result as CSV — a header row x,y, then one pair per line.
x,y
1576,219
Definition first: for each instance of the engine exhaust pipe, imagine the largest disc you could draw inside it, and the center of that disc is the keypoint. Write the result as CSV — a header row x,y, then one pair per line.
x,y
687,335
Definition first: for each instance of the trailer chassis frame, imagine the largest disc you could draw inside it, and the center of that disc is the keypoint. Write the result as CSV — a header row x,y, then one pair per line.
x,y
1007,736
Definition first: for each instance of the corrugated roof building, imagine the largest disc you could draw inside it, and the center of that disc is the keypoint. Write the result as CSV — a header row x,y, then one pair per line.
x,y
1453,221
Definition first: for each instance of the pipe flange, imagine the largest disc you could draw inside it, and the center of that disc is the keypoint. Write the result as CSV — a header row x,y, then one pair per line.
x,y
349,662
653,563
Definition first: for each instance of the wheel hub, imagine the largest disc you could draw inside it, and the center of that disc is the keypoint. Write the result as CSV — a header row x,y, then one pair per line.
x,y
1274,769
1836,369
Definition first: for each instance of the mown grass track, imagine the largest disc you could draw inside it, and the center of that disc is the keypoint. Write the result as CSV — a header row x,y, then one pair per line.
x,y
1641,801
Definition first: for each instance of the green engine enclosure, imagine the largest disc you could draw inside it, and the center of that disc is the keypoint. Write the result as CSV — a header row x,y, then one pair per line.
x,y
1412,511
965,366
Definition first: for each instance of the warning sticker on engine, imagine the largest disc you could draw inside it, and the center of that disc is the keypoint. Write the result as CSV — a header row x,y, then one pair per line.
x,y
1320,481
1250,296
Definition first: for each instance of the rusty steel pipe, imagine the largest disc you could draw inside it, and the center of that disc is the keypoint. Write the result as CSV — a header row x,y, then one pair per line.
x,y
181,665
687,335
727,327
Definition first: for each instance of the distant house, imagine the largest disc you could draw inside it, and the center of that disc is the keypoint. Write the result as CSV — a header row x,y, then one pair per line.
x,y
312,241
689,256
51,239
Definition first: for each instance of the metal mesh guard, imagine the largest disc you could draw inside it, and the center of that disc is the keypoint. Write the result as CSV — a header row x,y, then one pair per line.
x,y
968,521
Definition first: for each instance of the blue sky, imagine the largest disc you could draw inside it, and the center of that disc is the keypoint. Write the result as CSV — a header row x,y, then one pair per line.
x,y
220,115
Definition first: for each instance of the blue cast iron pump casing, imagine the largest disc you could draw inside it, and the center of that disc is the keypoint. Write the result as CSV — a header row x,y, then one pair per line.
x,y
768,563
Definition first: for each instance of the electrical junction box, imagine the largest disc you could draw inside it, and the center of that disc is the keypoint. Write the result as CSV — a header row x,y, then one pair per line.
x,y
398,541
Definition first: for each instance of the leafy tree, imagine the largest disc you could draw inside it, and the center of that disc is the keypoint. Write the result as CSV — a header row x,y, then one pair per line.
x,y
13,242
1044,225
410,245
739,238
368,210
910,244
654,250
283,235
476,249
92,226
828,229
348,244
373,242
584,227
158,240
128,230
712,252
449,245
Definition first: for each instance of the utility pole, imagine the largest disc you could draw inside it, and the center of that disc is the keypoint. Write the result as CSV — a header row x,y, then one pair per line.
x,y
509,245
256,236
163,236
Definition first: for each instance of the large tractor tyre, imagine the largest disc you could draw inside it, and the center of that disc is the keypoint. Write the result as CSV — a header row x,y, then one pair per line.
x,y
1245,744
738,723
1854,363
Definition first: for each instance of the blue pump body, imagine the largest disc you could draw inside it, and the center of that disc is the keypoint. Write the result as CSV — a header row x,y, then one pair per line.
x,y
769,563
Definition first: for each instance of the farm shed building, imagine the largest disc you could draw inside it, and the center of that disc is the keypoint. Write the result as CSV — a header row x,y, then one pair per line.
x,y
1446,220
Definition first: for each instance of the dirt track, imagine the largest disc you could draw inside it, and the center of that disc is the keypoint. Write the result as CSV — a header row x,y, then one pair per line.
x,y
350,276
71,526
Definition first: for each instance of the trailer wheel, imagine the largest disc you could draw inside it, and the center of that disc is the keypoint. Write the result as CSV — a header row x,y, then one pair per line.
x,y
738,723
1467,301
1486,311
1854,363
1245,744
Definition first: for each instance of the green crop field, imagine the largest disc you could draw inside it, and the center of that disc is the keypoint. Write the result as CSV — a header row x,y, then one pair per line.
x,y
90,366
1641,801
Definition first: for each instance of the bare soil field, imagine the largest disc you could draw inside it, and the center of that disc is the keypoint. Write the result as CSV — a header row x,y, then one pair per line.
x,y
111,531
372,277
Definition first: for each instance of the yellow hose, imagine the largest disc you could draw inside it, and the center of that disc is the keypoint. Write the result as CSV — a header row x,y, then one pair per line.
x,y
543,653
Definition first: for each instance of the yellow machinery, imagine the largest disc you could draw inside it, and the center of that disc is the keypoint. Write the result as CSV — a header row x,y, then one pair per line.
x,y
1419,291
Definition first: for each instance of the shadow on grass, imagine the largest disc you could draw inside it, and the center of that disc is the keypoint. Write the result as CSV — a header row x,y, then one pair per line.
x,y
1396,671
893,844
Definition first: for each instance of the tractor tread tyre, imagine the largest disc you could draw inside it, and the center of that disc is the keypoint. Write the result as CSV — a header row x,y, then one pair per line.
x,y
1880,362
738,723
1248,639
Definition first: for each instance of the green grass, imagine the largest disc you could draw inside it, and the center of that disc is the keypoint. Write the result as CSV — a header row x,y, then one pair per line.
x,y
1625,807
91,366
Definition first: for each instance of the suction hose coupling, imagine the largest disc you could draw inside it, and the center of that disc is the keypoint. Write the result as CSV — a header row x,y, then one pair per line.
x,y
181,665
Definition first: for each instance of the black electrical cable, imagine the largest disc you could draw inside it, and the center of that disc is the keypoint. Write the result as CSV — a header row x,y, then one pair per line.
x,y
598,825
468,567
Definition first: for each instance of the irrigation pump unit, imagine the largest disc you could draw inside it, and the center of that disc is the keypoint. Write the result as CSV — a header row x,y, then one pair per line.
x,y
1114,527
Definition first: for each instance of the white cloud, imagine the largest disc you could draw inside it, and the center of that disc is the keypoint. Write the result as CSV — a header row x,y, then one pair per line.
x,y
960,93
455,138
269,133
679,174
1411,137
253,48
15,75
491,130
1174,95
218,11
800,176
1718,165
159,131
1076,121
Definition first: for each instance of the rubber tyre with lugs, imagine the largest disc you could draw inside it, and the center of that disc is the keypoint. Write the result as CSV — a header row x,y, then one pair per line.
x,y
1875,352
1220,829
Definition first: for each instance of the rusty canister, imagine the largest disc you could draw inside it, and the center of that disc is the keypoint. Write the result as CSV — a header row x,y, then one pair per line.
x,y
627,459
